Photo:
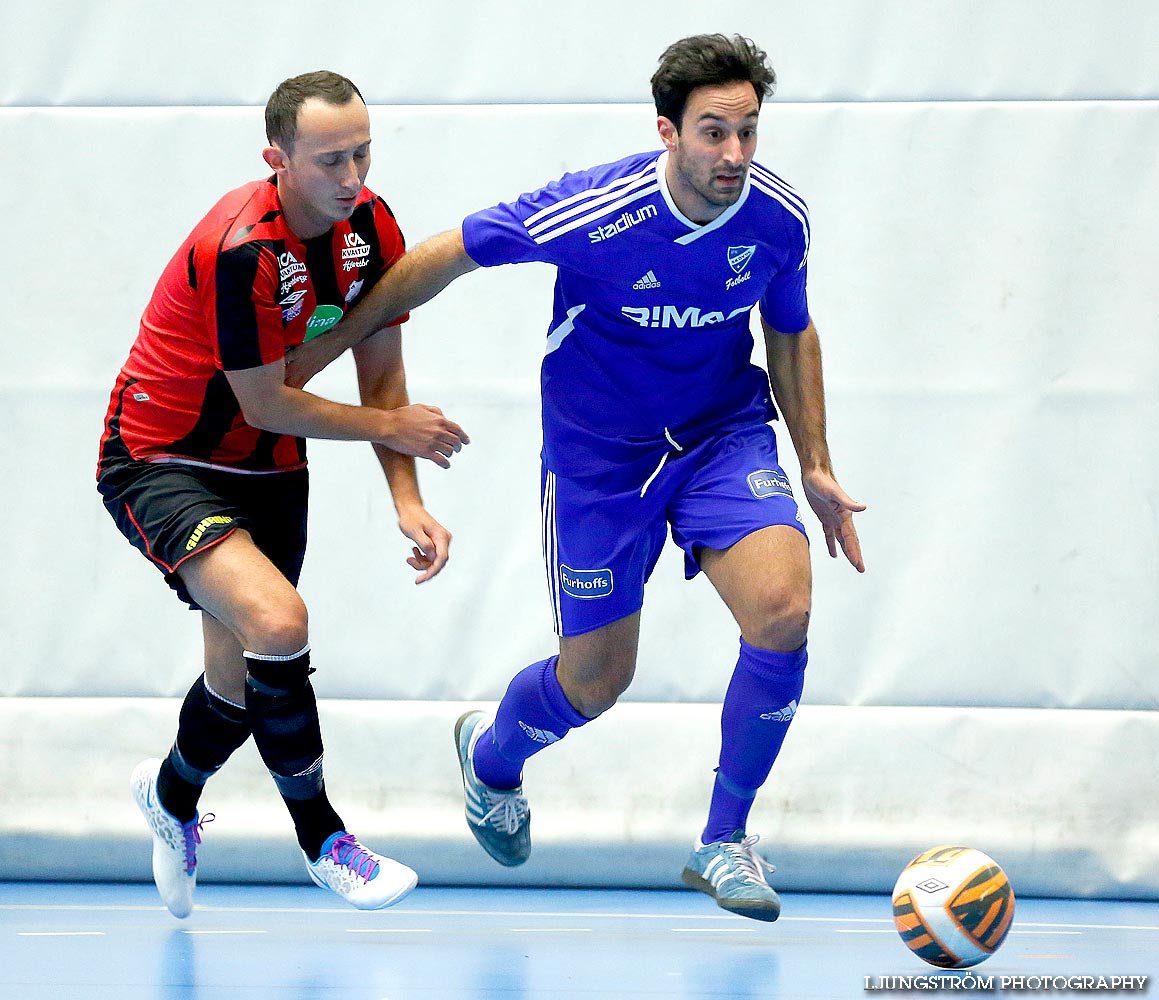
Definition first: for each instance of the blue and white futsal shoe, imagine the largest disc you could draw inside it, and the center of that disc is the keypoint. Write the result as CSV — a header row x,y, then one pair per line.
x,y
733,874
174,843
367,881
499,818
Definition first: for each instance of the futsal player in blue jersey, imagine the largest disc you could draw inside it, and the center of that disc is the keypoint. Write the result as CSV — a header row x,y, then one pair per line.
x,y
655,419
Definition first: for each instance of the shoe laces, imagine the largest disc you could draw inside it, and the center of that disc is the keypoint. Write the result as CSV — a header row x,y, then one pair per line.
x,y
192,835
347,852
749,865
507,811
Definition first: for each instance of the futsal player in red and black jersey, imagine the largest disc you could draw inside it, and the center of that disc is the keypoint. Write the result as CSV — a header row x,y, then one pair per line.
x,y
203,467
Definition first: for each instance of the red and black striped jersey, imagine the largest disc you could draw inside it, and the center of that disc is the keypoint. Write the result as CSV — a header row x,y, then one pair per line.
x,y
240,291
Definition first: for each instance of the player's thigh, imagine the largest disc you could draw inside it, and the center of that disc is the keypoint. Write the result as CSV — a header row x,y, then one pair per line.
x,y
239,586
600,546
736,518
766,580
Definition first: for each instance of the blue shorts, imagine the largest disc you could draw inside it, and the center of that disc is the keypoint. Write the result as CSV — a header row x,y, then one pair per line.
x,y
601,545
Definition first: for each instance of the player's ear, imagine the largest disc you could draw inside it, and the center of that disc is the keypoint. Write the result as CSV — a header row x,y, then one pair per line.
x,y
669,134
275,158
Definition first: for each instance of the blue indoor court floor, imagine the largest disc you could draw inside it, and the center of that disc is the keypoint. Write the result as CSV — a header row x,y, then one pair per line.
x,y
115,942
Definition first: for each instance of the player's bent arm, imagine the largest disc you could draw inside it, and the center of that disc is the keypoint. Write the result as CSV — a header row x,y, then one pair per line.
x,y
795,376
269,404
382,383
417,277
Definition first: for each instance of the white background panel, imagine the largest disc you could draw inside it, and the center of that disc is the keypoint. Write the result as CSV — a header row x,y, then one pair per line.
x,y
990,383
63,52
858,793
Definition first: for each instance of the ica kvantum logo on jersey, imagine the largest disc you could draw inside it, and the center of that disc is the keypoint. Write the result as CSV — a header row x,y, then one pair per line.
x,y
355,253
585,583
738,260
290,267
769,483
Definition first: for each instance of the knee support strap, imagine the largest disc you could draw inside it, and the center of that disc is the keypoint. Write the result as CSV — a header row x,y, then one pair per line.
x,y
284,713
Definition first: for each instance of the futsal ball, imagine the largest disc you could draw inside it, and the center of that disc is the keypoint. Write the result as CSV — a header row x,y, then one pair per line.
x,y
952,906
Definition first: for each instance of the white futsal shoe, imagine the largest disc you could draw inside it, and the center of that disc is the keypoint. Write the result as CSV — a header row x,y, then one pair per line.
x,y
367,881
174,843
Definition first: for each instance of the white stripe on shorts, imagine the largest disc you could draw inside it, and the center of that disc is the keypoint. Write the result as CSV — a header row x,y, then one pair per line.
x,y
550,541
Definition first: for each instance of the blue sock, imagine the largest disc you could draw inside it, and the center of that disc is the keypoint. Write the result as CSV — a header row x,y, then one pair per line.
x,y
533,714
759,705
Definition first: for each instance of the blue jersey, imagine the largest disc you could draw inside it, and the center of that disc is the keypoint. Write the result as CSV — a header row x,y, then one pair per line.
x,y
649,348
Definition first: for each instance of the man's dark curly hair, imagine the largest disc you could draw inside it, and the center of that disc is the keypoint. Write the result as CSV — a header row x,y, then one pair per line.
x,y
703,60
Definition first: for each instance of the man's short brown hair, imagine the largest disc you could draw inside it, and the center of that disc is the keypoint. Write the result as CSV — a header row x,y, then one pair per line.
x,y
287,99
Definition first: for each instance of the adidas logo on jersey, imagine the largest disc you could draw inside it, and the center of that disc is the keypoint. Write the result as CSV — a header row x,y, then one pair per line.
x,y
648,281
782,714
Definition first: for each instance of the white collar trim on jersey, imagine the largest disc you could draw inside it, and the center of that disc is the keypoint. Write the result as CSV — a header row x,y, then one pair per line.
x,y
697,229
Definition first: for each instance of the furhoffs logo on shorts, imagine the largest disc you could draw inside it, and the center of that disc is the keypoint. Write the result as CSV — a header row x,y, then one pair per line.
x,y
585,583
767,483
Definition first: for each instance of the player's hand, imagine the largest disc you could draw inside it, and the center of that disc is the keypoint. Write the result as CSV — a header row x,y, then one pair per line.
x,y
306,360
424,432
835,509
432,542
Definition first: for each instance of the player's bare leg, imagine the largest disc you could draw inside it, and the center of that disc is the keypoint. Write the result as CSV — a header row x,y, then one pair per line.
x,y
595,668
766,580
246,596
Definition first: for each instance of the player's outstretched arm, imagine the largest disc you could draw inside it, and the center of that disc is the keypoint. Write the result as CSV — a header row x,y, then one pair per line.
x,y
382,383
268,404
418,276
795,376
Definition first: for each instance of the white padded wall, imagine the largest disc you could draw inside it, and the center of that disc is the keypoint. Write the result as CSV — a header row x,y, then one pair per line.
x,y
130,52
984,198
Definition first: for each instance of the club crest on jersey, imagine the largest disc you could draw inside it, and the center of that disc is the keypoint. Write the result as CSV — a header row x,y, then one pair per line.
x,y
353,290
585,583
739,257
768,483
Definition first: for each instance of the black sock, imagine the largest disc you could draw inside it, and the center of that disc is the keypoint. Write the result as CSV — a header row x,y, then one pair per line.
x,y
209,730
314,821
284,714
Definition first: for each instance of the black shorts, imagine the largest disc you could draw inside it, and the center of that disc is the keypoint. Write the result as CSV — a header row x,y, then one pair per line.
x,y
172,511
